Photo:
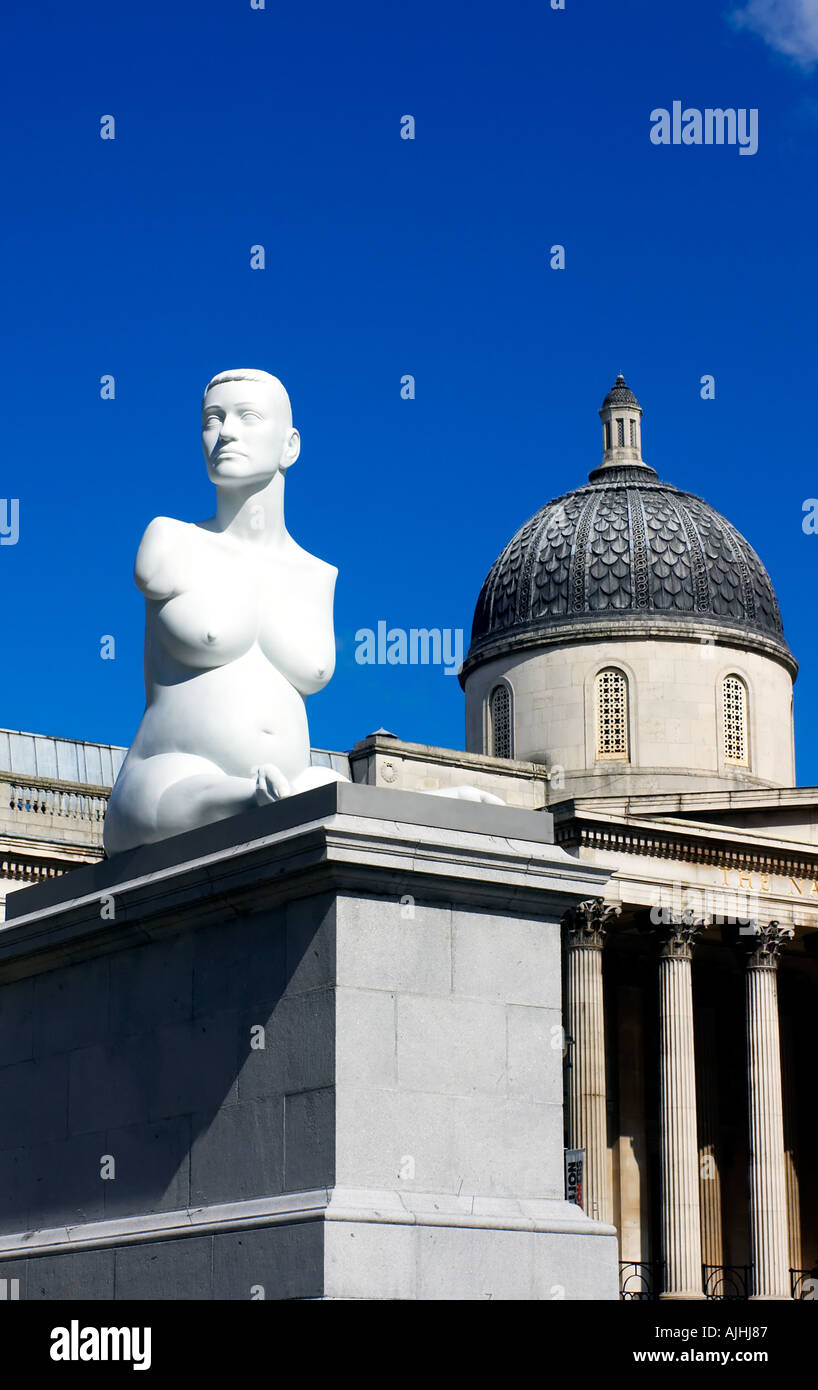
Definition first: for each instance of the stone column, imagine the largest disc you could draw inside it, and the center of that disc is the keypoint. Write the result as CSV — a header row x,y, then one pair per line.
x,y
584,929
707,1061
635,1224
791,1144
681,1220
768,1191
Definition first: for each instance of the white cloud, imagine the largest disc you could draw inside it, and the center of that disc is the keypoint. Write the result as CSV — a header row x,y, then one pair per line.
x,y
788,26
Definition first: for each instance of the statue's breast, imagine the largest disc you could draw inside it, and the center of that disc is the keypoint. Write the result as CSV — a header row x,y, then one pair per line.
x,y
212,622
227,602
295,622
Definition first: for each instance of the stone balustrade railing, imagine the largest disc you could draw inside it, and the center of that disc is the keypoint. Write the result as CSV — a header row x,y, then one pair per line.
x,y
35,797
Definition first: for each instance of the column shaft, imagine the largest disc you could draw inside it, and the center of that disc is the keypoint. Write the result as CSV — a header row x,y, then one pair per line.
x,y
788,1059
707,1060
635,1233
768,1191
681,1222
585,928
587,1100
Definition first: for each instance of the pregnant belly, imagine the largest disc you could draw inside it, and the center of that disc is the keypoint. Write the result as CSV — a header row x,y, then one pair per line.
x,y
239,716
205,629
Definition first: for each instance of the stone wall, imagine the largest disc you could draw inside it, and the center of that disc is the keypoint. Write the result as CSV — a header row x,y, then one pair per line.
x,y
144,1054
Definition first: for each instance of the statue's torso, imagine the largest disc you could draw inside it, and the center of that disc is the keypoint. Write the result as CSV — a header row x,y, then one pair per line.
x,y
227,654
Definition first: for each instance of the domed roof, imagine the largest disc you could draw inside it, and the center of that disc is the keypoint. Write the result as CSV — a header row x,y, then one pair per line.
x,y
625,549
620,394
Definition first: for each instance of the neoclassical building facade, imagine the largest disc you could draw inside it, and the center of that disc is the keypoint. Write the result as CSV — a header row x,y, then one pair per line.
x,y
628,676
629,640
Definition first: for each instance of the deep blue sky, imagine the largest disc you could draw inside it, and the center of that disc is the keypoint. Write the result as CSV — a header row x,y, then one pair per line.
x,y
387,257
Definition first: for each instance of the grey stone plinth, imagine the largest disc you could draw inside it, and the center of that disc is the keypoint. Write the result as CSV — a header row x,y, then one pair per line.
x,y
310,1052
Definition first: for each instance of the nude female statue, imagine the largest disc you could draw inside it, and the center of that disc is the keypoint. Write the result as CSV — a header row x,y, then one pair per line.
x,y
238,629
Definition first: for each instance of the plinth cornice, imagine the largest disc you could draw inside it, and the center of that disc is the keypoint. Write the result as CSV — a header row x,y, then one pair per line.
x,y
340,837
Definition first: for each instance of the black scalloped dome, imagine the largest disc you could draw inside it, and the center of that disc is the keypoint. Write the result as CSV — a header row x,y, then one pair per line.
x,y
620,394
626,546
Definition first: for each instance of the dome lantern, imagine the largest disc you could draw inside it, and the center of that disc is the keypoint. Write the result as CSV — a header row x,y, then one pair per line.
x,y
621,416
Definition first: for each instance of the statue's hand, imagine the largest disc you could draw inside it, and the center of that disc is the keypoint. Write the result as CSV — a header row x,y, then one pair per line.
x,y
271,784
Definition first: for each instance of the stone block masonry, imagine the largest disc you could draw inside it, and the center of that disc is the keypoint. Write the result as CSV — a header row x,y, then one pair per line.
x,y
309,1056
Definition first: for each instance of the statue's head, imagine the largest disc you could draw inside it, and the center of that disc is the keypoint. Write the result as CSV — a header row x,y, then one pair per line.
x,y
247,428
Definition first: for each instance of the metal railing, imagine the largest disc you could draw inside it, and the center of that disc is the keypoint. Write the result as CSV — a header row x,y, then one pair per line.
x,y
804,1285
643,1280
640,1279
730,1282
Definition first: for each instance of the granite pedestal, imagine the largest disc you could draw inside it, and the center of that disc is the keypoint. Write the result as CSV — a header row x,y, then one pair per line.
x,y
312,1052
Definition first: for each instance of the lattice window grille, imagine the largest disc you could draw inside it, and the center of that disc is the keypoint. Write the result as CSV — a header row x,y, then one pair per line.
x,y
620,431
500,714
612,715
633,434
734,702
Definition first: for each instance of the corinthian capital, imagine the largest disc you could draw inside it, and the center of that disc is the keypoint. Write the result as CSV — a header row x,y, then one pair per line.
x,y
586,923
677,931
766,944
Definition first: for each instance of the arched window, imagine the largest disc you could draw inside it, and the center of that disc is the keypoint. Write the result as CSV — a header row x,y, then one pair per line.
x,y
612,715
734,718
500,720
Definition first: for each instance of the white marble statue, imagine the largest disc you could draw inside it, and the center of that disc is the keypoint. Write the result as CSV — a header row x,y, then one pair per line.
x,y
238,629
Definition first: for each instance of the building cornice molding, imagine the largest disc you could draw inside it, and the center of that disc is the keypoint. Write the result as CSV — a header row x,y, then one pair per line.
x,y
643,805
31,861
626,627
688,843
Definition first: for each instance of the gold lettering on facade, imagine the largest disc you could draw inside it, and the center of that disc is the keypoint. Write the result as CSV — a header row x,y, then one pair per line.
x,y
770,883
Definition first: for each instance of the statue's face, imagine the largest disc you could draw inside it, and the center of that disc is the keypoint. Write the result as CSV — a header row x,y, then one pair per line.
x,y
247,435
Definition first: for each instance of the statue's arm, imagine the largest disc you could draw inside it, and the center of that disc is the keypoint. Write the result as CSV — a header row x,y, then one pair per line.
x,y
160,559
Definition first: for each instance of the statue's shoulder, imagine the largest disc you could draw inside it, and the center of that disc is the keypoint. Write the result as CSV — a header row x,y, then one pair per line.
x,y
321,571
160,556
165,528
